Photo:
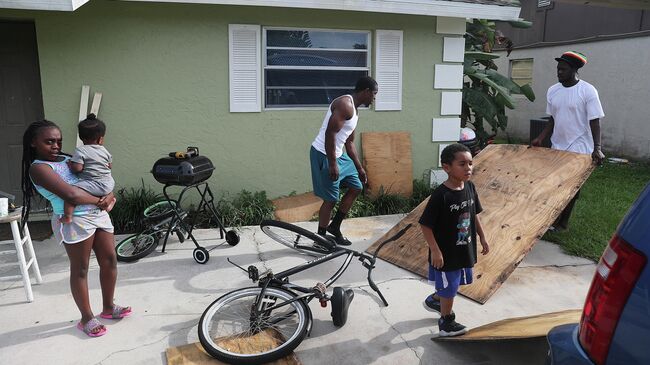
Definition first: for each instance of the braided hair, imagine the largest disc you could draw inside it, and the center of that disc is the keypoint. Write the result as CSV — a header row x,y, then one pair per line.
x,y
29,155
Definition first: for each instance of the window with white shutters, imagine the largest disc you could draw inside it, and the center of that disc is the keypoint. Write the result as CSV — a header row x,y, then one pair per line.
x,y
389,69
312,67
244,67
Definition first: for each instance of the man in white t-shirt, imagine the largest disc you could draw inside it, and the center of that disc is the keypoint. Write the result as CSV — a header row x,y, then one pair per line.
x,y
331,167
575,112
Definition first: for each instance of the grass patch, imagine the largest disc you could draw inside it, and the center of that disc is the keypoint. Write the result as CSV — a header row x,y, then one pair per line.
x,y
604,199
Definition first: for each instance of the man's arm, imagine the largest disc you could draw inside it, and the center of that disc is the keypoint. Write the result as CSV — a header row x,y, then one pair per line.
x,y
545,133
597,155
351,149
341,111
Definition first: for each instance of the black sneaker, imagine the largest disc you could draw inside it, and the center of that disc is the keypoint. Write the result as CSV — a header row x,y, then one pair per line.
x,y
449,327
431,304
338,237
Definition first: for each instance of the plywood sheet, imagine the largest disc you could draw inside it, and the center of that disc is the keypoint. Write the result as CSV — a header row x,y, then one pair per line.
x,y
388,162
297,208
194,354
522,190
518,328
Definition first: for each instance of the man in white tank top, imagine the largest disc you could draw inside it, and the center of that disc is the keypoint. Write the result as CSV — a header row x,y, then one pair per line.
x,y
330,166
575,110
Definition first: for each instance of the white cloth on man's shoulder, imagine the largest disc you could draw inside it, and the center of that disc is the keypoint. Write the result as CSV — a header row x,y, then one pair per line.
x,y
572,108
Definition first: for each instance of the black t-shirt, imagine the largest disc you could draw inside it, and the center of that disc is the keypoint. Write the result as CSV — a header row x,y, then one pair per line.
x,y
451,215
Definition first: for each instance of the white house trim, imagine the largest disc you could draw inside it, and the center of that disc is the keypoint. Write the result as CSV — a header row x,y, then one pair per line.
x,y
445,129
451,103
453,9
448,77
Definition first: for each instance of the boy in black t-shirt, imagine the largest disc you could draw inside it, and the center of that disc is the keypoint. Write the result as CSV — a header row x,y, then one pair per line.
x,y
450,225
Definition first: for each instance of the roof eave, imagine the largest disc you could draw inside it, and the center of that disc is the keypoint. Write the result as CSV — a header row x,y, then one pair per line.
x,y
453,9
57,5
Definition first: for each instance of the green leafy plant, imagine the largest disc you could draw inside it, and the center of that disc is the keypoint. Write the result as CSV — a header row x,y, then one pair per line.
x,y
486,92
131,202
246,209
388,203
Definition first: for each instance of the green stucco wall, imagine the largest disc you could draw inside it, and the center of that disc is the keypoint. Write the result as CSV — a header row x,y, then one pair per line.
x,y
163,72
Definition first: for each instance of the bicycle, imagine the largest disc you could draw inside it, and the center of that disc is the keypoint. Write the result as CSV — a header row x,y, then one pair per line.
x,y
163,218
275,316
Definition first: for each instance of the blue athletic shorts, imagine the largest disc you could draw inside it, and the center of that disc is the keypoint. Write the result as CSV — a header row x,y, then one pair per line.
x,y
324,187
447,282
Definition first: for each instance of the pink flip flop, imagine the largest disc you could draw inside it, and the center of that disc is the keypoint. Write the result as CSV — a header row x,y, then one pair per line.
x,y
90,326
118,312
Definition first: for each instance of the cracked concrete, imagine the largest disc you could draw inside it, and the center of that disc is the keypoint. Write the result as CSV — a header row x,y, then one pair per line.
x,y
169,292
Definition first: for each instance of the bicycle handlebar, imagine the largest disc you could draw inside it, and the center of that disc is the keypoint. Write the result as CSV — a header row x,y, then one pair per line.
x,y
371,264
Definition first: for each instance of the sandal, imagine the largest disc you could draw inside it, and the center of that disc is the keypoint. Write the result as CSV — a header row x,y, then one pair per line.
x,y
91,326
119,312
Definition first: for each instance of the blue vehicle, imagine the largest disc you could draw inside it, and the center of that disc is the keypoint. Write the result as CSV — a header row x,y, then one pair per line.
x,y
615,323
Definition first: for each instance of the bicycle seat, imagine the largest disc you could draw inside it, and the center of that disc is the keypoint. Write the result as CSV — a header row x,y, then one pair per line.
x,y
341,300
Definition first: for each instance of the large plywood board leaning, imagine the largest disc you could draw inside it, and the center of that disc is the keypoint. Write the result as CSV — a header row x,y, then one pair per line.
x,y
522,190
518,328
388,162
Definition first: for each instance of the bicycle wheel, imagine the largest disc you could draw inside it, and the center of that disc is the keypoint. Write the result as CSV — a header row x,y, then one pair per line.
x,y
136,246
160,210
230,332
297,238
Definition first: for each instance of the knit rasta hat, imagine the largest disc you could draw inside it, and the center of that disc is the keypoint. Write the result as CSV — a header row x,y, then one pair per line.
x,y
573,58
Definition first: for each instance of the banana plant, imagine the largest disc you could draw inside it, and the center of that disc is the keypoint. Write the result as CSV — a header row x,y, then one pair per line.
x,y
486,92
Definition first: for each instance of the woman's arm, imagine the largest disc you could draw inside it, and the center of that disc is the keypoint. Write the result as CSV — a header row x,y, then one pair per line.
x,y
50,180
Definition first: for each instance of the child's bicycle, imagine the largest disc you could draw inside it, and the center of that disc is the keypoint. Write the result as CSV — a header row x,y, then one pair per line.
x,y
163,218
159,216
261,324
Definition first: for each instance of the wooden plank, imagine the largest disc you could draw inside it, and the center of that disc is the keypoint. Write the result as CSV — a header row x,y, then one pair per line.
x,y
518,328
297,208
194,354
388,162
83,108
97,99
522,191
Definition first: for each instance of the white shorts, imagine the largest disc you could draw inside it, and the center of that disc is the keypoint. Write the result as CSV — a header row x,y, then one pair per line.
x,y
81,227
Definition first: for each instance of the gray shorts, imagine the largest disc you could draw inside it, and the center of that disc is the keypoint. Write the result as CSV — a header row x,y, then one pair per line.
x,y
81,227
98,187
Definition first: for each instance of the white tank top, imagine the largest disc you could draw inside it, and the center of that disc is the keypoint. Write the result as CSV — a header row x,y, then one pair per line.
x,y
342,135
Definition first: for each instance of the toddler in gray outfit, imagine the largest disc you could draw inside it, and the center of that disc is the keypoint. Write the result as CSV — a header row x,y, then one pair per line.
x,y
91,162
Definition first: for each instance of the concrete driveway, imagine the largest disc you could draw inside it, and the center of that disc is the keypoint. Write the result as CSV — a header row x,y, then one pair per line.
x,y
169,292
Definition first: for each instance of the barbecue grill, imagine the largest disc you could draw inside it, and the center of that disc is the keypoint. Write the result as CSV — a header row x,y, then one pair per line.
x,y
182,171
190,170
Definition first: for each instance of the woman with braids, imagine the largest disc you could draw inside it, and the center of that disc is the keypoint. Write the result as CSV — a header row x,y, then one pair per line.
x,y
45,170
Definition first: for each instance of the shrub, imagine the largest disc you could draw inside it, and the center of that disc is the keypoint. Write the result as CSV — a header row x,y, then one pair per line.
x,y
246,209
131,203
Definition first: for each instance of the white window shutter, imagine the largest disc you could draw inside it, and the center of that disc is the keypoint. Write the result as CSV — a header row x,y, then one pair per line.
x,y
389,69
245,68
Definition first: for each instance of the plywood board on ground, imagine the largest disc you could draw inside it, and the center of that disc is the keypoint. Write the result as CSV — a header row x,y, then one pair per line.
x,y
388,162
194,354
297,208
522,191
518,328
